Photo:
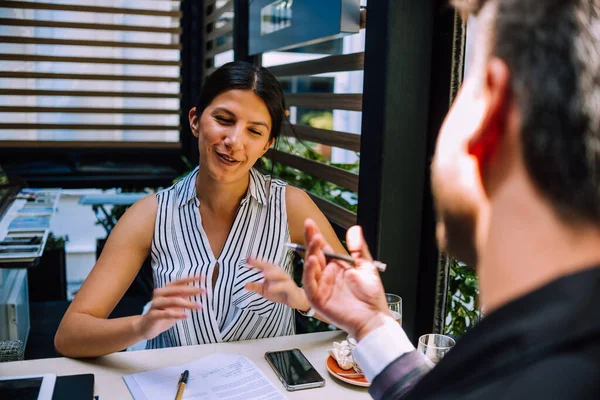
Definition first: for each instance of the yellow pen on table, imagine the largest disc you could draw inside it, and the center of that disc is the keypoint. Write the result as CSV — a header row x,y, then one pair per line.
x,y
182,383
344,257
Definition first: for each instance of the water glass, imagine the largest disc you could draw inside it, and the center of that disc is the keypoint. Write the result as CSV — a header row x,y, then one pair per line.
x,y
435,346
395,305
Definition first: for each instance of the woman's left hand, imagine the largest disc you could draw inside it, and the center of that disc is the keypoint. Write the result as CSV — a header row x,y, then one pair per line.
x,y
278,286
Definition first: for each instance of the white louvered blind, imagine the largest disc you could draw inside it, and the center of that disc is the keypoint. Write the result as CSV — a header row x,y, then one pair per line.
x,y
90,71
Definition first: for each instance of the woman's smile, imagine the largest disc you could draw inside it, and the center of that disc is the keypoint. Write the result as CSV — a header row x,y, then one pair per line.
x,y
227,159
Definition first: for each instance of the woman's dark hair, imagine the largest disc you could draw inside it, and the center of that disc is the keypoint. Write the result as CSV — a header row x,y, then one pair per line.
x,y
242,75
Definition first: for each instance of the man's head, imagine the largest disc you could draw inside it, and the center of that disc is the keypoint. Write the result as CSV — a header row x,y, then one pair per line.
x,y
529,109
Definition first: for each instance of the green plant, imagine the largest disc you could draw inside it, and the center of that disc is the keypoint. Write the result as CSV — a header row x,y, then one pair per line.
x,y
319,187
318,119
462,308
55,242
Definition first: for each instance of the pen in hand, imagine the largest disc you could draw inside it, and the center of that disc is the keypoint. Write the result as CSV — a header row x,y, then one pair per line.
x,y
181,385
298,247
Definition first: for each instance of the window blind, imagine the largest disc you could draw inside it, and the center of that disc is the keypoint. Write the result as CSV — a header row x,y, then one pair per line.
x,y
90,71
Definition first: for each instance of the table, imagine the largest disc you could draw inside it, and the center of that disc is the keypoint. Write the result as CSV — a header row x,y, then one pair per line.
x,y
109,370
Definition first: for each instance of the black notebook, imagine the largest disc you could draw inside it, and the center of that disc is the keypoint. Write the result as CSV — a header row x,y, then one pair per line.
x,y
74,387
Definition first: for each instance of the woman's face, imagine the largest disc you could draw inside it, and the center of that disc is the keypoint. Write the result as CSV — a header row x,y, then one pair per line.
x,y
233,133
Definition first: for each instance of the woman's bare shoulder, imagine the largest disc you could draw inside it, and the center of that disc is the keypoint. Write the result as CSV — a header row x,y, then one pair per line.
x,y
139,219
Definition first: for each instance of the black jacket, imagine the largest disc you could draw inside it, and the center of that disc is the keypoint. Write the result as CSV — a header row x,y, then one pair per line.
x,y
544,345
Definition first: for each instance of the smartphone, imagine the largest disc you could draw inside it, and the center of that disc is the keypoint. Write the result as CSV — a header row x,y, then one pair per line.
x,y
294,370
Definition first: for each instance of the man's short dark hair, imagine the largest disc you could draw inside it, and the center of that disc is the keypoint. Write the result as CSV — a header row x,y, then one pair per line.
x,y
552,49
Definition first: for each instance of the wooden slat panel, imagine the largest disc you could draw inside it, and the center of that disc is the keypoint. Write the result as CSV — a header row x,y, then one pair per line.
x,y
85,25
334,212
86,93
90,77
218,12
363,18
94,9
93,127
346,62
325,101
335,175
327,137
87,144
85,110
228,27
224,47
97,43
93,60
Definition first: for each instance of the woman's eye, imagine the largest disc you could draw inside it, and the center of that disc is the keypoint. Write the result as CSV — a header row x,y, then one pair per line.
x,y
255,132
223,120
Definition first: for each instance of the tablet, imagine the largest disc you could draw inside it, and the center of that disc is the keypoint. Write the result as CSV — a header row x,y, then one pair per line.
x,y
29,387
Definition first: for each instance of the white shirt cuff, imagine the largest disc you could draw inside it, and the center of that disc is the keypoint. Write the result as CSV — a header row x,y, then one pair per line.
x,y
380,347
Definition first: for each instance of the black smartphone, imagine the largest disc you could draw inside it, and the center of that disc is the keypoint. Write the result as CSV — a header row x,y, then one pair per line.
x,y
294,370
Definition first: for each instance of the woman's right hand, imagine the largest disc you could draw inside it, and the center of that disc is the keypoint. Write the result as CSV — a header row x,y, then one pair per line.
x,y
168,306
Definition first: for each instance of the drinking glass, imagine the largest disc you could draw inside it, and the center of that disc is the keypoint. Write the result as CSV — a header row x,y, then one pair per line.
x,y
395,305
435,346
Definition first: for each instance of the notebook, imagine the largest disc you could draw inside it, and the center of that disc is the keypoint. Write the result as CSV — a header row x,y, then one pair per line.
x,y
74,387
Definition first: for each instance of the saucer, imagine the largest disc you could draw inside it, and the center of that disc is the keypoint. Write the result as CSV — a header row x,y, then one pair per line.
x,y
334,369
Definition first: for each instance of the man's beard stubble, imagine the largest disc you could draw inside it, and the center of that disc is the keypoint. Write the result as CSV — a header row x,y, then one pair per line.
x,y
456,236
455,225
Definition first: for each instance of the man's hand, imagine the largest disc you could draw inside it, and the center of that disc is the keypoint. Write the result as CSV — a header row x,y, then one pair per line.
x,y
350,297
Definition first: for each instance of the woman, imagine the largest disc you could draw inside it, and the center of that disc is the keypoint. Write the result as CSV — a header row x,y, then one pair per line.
x,y
200,233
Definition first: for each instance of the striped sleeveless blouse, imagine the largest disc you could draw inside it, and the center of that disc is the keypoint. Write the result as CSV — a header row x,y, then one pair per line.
x,y
180,248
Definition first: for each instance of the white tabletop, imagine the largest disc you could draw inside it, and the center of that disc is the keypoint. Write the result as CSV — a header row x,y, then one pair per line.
x,y
109,370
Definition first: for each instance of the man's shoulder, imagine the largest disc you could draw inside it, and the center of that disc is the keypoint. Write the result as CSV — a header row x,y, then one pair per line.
x,y
572,374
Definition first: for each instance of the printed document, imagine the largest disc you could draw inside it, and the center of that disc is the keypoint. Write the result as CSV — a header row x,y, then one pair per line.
x,y
218,376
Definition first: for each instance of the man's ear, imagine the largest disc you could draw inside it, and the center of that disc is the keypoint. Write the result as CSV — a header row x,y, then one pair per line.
x,y
496,95
194,121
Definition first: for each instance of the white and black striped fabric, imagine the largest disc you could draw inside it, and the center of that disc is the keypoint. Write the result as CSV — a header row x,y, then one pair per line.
x,y
180,248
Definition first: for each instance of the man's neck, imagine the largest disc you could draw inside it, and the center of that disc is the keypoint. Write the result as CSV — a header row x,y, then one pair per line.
x,y
528,246
218,196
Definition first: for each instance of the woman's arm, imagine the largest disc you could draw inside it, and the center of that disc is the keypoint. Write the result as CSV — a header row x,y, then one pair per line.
x,y
300,207
85,330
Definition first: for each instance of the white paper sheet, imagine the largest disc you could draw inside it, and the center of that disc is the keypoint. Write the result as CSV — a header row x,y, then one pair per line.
x,y
218,376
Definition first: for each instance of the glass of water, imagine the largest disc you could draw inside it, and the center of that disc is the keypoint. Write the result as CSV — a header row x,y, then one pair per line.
x,y
435,346
395,305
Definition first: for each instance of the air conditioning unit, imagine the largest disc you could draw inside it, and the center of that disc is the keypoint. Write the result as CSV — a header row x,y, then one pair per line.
x,y
14,305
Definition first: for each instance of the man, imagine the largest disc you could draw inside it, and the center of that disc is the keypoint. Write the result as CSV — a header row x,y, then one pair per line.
x,y
516,178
